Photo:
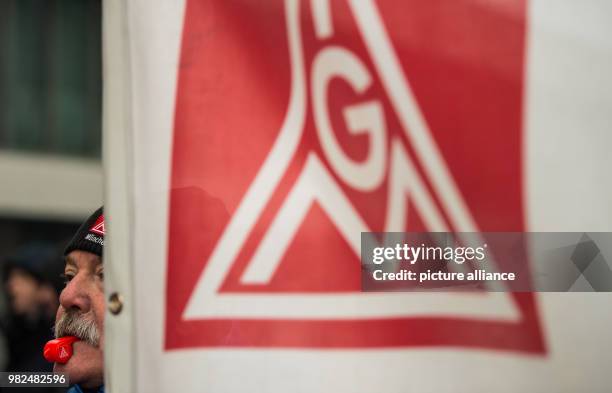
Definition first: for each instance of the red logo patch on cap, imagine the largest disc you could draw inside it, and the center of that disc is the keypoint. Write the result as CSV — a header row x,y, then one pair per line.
x,y
98,227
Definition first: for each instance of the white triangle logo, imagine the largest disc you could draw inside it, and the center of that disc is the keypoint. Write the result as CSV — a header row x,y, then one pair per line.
x,y
316,184
99,226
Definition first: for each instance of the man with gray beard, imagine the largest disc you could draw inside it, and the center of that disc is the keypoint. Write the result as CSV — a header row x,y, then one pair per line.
x,y
82,307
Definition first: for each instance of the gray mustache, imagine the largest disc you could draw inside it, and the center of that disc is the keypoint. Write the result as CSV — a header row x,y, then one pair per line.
x,y
74,323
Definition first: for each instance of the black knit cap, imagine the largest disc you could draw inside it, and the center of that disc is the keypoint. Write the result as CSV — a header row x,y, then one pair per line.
x,y
90,236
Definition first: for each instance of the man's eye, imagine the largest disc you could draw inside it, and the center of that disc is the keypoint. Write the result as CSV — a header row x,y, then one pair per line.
x,y
101,275
67,277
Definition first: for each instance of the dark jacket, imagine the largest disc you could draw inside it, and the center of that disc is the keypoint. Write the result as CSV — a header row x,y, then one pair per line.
x,y
78,389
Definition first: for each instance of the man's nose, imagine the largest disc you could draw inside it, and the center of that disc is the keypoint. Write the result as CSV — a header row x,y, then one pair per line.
x,y
76,294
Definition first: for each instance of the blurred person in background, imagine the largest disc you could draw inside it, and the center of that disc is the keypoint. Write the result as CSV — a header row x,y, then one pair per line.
x,y
32,280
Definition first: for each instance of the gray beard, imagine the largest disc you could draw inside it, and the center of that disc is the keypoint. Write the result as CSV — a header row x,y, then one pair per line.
x,y
74,323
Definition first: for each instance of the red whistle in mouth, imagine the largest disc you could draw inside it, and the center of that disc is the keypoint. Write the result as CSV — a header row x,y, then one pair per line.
x,y
59,350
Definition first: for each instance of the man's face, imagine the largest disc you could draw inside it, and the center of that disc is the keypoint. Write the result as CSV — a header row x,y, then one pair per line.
x,y
81,314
